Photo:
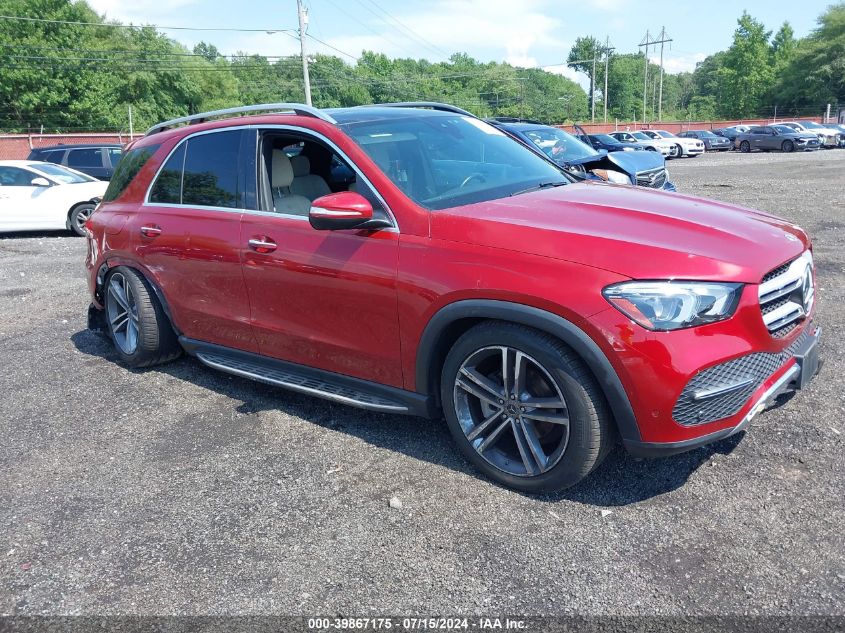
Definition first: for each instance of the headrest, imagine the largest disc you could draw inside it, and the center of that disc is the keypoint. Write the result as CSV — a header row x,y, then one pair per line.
x,y
301,166
282,170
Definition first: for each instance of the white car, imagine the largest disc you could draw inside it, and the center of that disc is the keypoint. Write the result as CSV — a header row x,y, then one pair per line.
x,y
683,146
41,196
828,136
654,145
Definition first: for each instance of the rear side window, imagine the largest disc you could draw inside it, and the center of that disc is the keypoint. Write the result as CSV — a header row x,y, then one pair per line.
x,y
127,169
54,156
85,157
202,172
211,170
114,155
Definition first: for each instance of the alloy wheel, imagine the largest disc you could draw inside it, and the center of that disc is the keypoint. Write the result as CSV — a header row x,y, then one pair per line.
x,y
122,310
81,217
511,411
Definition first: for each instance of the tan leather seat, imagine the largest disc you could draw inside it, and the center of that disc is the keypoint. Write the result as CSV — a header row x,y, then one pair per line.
x,y
284,200
304,182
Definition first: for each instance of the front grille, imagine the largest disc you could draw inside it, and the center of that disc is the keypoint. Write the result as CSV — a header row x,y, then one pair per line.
x,y
653,178
720,392
786,295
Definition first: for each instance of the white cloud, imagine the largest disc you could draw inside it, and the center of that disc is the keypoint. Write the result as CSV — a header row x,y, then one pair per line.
x,y
138,11
678,63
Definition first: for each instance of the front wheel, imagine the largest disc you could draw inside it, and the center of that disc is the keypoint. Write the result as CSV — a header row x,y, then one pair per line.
x,y
745,147
788,146
136,322
79,216
523,408
679,151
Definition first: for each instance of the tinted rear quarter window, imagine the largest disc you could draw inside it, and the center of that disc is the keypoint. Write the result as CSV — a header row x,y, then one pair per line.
x,y
168,185
129,166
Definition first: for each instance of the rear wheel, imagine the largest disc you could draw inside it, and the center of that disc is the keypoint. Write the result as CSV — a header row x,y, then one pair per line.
x,y
523,408
79,216
788,146
136,321
745,147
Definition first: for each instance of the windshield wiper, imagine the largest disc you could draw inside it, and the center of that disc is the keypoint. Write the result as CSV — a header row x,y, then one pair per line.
x,y
542,185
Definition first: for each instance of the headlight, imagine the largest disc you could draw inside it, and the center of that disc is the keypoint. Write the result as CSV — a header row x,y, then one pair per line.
x,y
673,305
627,149
613,176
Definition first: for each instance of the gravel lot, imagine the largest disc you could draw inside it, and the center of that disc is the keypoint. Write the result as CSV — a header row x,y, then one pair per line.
x,y
182,490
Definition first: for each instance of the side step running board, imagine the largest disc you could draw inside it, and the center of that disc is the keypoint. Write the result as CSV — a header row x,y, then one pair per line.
x,y
314,382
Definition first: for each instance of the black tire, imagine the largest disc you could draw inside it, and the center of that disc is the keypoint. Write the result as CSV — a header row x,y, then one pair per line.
x,y
745,147
679,151
788,146
155,341
78,215
590,433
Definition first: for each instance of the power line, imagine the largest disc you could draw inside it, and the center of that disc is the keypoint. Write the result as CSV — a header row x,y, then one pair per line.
x,y
143,26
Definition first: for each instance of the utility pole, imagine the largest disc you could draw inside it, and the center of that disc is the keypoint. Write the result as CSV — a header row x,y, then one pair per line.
x,y
663,39
608,49
131,130
646,42
593,91
303,24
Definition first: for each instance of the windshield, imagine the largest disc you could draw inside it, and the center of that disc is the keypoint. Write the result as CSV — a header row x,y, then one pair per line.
x,y
441,161
62,174
705,134
560,146
783,129
811,125
640,136
666,134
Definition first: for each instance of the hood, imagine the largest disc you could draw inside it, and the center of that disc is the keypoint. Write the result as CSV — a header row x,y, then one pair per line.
x,y
634,162
89,189
633,231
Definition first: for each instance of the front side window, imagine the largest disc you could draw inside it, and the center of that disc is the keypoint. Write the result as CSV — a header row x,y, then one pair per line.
x,y
85,158
115,153
15,177
202,172
446,160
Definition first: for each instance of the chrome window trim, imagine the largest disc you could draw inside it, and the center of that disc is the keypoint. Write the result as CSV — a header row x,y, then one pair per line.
x,y
289,128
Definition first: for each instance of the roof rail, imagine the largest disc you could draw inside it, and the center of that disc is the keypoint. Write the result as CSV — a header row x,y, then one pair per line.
x,y
296,108
432,105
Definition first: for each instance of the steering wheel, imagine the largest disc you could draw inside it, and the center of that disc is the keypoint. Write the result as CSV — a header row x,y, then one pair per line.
x,y
476,176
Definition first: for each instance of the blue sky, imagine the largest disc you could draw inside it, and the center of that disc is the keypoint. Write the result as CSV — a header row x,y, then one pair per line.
x,y
526,33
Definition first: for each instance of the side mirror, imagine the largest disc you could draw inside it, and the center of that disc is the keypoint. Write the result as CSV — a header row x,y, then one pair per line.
x,y
344,210
39,182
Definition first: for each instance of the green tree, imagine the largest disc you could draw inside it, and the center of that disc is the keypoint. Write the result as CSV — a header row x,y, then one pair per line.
x,y
746,71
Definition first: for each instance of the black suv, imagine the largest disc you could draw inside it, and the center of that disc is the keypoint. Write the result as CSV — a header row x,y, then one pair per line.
x,y
95,160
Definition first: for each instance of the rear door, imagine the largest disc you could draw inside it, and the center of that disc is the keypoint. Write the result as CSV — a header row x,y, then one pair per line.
x,y
187,235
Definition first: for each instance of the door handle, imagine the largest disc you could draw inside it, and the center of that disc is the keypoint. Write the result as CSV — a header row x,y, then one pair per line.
x,y
151,231
262,244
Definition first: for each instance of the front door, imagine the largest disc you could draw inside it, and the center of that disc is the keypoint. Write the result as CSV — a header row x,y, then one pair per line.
x,y
326,299
23,205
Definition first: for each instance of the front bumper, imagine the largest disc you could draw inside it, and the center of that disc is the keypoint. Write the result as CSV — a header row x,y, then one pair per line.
x,y
794,374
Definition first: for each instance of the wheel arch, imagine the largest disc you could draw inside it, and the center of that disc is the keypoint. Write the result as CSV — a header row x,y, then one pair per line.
x,y
451,321
111,264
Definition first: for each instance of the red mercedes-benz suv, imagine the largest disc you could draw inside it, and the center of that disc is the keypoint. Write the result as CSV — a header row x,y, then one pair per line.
x,y
413,259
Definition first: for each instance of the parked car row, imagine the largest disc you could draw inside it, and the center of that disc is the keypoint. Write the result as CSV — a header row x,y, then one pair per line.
x,y
788,136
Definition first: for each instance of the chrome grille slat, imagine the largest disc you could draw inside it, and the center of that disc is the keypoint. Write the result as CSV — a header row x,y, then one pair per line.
x,y
783,301
652,178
